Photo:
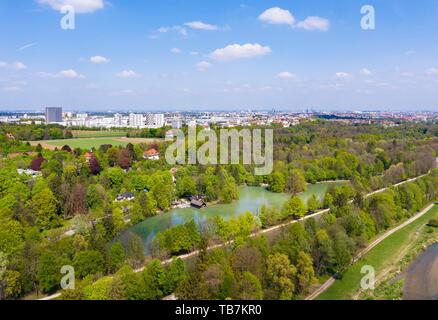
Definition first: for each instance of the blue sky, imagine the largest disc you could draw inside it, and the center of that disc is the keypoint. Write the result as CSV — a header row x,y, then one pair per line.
x,y
192,54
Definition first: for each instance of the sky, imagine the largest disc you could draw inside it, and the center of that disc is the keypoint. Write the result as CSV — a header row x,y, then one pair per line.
x,y
182,55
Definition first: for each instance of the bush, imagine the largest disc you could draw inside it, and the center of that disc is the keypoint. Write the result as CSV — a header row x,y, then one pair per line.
x,y
433,223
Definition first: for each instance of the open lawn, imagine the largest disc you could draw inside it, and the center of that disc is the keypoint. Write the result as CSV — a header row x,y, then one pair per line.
x,y
97,134
379,257
88,143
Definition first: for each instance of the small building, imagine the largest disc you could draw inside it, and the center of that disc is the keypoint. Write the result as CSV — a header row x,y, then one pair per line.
x,y
151,154
126,196
88,156
199,204
170,134
29,172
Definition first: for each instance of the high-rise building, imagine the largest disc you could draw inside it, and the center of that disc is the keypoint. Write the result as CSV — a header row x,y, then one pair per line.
x,y
176,124
53,115
155,120
136,120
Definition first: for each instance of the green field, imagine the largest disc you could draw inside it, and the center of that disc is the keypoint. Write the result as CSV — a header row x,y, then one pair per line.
x,y
97,134
379,257
88,143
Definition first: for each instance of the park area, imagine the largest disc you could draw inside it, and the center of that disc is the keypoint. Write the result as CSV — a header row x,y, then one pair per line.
x,y
381,257
89,143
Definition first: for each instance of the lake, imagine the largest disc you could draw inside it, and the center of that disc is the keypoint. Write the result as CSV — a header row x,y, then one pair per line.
x,y
250,199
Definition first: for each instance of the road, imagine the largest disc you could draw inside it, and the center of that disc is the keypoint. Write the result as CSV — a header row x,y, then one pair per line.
x,y
332,280
265,231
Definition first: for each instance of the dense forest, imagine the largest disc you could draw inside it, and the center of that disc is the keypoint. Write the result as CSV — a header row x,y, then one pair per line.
x,y
79,188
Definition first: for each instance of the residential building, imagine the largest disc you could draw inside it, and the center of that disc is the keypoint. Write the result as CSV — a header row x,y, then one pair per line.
x,y
136,120
155,120
151,154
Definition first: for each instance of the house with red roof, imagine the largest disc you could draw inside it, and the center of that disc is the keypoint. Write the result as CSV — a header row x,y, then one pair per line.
x,y
88,156
151,154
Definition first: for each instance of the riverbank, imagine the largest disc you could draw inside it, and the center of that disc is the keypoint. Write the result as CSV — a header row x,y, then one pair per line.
x,y
379,257
409,275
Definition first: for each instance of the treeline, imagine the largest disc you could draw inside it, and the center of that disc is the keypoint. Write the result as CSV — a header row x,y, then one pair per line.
x,y
33,132
377,157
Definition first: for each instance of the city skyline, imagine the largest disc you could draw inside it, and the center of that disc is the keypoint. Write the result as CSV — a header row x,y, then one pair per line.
x,y
191,55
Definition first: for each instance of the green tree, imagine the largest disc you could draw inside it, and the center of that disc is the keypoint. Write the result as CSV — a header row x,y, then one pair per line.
x,y
296,182
186,186
313,204
175,273
277,182
100,290
89,262
134,250
116,256
11,237
249,287
49,272
305,271
44,206
281,273
295,208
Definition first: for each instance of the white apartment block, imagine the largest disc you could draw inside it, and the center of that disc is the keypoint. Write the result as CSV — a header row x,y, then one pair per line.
x,y
136,120
155,120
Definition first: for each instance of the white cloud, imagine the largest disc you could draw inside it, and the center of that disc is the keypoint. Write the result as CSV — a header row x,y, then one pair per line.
x,y
81,6
199,25
175,50
203,66
11,89
194,53
287,75
127,74
277,15
343,75
99,59
181,30
314,23
432,72
27,46
366,72
72,74
13,65
407,74
237,51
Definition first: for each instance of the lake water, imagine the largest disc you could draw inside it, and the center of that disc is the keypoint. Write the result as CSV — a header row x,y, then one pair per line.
x,y
250,199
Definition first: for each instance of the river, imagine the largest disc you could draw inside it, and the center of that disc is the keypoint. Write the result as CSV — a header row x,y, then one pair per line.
x,y
422,276
250,199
